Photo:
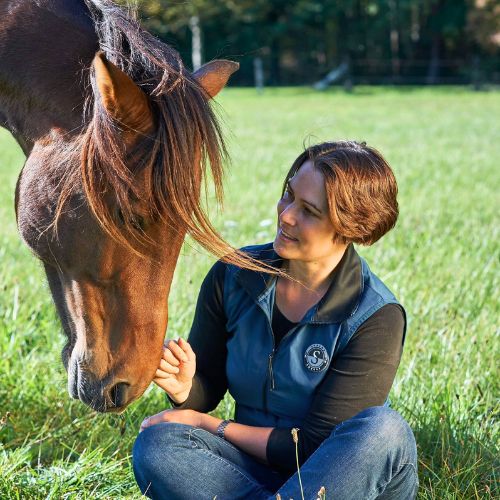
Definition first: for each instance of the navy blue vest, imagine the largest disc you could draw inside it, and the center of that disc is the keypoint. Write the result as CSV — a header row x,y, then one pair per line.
x,y
275,387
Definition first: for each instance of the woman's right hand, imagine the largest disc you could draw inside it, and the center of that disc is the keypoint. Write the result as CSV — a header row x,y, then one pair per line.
x,y
176,371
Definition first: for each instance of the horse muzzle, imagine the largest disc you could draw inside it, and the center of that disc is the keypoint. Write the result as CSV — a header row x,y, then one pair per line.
x,y
103,395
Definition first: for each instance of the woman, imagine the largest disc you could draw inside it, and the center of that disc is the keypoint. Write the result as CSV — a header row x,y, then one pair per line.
x,y
317,353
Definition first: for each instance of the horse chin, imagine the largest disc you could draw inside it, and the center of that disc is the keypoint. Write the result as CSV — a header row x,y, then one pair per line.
x,y
119,409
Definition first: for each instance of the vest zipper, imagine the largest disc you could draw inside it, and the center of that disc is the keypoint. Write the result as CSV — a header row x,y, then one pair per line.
x,y
271,370
270,366
270,360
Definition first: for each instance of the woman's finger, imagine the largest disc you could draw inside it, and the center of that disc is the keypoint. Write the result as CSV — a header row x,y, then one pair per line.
x,y
148,422
168,368
177,351
155,419
161,374
169,357
186,347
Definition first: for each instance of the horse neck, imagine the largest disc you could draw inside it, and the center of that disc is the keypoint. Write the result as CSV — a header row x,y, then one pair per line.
x,y
44,48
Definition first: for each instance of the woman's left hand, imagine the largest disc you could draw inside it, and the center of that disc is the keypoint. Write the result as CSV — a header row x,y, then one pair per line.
x,y
189,417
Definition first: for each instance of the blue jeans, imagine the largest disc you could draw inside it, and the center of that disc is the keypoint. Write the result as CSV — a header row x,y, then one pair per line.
x,y
372,455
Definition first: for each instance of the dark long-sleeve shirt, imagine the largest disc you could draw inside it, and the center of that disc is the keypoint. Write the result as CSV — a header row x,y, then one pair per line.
x,y
359,377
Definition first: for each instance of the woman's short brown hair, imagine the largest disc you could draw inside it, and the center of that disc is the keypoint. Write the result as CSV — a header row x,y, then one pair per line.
x,y
360,186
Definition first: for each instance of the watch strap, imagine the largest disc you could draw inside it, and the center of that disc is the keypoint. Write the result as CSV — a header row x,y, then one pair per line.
x,y
221,428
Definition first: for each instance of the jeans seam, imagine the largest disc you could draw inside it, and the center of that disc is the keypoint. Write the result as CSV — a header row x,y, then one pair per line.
x,y
226,462
193,444
377,493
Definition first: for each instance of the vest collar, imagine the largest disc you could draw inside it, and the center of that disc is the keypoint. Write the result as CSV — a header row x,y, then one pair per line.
x,y
341,298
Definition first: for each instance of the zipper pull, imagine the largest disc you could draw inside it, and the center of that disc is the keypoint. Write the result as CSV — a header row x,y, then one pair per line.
x,y
271,374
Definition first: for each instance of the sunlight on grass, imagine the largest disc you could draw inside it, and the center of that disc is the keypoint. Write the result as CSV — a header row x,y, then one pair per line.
x,y
441,261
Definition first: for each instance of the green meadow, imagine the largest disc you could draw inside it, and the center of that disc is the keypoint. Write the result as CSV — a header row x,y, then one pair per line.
x,y
441,261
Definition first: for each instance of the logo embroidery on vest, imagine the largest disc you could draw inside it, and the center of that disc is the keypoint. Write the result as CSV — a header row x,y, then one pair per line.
x,y
316,358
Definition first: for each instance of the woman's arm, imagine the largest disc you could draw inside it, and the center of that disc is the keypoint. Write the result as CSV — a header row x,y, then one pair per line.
x,y
252,440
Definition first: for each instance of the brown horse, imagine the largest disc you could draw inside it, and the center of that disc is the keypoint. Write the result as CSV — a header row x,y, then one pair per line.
x,y
118,135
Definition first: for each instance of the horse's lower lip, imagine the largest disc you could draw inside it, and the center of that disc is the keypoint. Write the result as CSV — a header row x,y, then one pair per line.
x,y
66,354
73,379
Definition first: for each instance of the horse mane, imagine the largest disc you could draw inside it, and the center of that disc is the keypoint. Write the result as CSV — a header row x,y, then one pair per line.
x,y
185,127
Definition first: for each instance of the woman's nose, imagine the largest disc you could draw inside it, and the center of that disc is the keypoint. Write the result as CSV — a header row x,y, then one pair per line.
x,y
287,216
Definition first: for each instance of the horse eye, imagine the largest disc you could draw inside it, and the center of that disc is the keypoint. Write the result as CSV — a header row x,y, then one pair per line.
x,y
136,221
120,217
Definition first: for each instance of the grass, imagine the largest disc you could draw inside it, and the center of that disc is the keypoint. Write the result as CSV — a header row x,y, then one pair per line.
x,y
441,261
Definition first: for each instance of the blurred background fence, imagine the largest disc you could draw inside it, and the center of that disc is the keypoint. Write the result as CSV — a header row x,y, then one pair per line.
x,y
282,42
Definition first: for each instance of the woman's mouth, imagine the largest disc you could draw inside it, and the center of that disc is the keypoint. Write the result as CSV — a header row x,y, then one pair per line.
x,y
285,236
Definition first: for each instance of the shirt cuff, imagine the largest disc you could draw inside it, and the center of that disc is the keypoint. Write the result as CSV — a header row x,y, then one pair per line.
x,y
280,450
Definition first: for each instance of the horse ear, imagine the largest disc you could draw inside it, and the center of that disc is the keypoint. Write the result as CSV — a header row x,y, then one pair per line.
x,y
123,99
214,75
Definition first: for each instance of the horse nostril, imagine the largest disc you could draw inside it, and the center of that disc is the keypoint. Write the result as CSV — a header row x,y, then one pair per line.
x,y
118,394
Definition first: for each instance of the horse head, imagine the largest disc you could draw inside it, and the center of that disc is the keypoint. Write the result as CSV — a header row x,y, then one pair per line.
x,y
111,182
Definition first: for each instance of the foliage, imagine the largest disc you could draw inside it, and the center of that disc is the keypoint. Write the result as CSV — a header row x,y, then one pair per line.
x,y
401,40
441,261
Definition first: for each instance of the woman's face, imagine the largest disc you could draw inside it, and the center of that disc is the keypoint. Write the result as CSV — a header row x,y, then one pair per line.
x,y
305,231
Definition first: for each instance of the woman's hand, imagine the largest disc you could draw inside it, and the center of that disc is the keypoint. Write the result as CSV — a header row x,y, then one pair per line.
x,y
189,417
176,371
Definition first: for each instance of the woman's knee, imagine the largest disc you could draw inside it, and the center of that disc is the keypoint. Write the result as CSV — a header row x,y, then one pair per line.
x,y
156,444
382,428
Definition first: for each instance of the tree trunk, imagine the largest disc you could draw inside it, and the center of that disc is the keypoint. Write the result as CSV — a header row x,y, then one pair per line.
x,y
394,40
196,45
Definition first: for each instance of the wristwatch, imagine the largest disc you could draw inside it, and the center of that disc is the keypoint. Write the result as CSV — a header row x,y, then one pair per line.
x,y
221,428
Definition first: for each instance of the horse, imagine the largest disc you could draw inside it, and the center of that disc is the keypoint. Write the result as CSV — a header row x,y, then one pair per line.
x,y
119,137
